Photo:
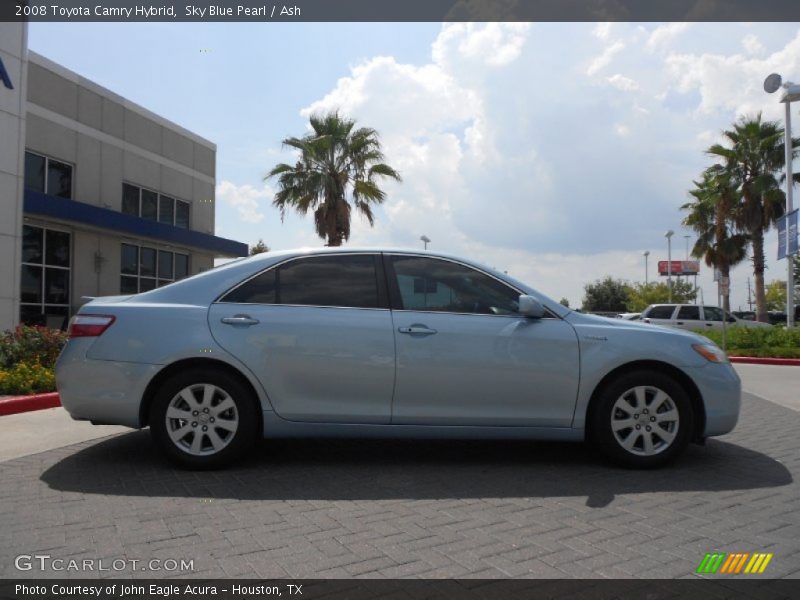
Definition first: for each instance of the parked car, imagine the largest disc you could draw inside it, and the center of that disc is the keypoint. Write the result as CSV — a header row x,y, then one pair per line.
x,y
744,315
374,342
634,316
693,317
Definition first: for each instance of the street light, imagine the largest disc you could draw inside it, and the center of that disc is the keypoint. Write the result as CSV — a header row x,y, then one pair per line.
x,y
791,94
646,254
669,235
425,240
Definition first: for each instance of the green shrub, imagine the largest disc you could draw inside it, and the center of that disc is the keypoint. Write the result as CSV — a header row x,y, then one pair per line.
x,y
27,359
27,378
31,344
773,342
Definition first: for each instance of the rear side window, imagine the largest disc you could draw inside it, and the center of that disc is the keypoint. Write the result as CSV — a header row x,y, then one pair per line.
x,y
346,281
689,313
660,312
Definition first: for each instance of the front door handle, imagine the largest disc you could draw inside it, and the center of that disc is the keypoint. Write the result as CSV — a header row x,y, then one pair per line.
x,y
245,320
417,330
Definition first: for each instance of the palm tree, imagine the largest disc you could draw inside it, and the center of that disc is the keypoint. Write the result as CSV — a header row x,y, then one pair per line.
x,y
753,159
711,217
338,164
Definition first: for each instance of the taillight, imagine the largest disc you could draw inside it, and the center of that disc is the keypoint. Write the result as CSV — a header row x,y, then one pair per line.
x,y
89,325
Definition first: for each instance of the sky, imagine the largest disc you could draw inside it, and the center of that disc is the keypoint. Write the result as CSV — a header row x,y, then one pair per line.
x,y
558,152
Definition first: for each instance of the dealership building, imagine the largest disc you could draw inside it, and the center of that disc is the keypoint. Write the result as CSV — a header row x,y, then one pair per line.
x,y
98,196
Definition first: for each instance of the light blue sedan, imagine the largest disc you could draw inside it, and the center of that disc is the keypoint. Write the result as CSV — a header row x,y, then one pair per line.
x,y
379,342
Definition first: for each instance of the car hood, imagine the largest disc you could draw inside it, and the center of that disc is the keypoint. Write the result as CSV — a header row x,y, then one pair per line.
x,y
580,319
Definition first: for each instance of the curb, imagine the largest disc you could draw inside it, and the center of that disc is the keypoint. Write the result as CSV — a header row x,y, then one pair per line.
x,y
752,360
19,404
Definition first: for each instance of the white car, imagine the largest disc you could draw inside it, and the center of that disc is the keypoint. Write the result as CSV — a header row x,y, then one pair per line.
x,y
693,316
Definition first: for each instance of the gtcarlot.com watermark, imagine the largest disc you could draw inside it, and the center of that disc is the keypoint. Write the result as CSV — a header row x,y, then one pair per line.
x,y
46,562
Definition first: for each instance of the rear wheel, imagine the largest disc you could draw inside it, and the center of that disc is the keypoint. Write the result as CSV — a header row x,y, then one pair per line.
x,y
204,419
644,419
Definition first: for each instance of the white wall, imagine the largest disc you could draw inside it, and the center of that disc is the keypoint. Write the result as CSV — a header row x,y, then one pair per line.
x,y
13,51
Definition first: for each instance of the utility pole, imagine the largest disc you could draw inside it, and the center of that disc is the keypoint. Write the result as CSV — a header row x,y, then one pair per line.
x,y
749,297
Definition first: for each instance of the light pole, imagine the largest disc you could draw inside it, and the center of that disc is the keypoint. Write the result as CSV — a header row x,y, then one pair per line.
x,y
669,235
792,93
425,240
646,254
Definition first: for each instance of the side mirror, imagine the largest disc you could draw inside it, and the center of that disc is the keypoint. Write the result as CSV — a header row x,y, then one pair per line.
x,y
530,307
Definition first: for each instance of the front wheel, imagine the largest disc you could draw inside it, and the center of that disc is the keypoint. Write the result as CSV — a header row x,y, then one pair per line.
x,y
203,419
644,419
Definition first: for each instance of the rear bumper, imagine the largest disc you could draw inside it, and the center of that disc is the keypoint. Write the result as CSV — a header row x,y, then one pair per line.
x,y
721,390
101,391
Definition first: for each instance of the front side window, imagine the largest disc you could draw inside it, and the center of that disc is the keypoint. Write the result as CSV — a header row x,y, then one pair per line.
x,y
43,174
45,276
143,268
341,281
429,284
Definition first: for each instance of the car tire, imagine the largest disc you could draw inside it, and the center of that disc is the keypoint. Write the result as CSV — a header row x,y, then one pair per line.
x,y
204,419
642,420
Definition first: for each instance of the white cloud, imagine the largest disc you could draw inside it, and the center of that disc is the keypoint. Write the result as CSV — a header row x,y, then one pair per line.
x,y
622,130
752,45
623,83
664,35
493,44
733,82
246,199
604,59
602,31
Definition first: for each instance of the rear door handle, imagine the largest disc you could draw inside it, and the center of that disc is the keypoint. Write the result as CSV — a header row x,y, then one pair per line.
x,y
417,330
244,320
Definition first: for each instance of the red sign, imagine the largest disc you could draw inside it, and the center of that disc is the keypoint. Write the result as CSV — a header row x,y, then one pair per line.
x,y
679,267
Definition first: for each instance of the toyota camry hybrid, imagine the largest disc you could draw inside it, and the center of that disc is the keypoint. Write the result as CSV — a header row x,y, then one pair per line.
x,y
388,343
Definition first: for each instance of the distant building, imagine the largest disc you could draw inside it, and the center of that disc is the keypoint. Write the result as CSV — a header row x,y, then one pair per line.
x,y
98,196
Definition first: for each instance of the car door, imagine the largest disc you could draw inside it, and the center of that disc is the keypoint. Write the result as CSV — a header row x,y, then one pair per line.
x,y
466,357
689,317
317,333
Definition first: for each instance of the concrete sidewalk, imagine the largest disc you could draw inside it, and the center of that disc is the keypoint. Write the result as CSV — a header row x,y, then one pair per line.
x,y
776,384
33,432
30,433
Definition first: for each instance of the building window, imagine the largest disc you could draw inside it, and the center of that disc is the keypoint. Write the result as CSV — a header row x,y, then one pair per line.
x,y
44,298
143,268
47,175
182,214
150,205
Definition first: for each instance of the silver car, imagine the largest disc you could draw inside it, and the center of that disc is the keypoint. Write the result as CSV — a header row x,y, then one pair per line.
x,y
377,342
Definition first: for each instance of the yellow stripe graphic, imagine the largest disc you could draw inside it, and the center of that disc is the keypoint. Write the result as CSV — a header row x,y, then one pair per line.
x,y
765,563
751,564
757,564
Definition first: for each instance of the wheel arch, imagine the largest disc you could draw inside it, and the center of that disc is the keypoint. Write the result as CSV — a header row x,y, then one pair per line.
x,y
672,371
189,363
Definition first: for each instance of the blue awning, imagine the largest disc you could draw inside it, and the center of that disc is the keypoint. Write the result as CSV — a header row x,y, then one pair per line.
x,y
45,205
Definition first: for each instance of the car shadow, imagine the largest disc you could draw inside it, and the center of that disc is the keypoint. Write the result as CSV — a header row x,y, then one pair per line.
x,y
360,469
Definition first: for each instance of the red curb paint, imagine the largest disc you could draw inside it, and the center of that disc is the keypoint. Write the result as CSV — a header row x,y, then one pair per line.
x,y
752,360
20,404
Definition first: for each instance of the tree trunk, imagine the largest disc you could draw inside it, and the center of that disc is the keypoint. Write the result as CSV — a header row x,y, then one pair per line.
x,y
758,275
725,271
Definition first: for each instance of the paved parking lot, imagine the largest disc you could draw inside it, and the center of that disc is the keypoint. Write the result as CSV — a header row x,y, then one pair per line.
x,y
411,508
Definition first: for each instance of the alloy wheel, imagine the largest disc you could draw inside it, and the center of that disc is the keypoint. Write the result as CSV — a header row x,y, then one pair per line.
x,y
645,420
202,419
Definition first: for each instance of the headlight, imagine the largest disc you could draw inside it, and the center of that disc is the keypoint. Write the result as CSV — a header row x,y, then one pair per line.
x,y
711,353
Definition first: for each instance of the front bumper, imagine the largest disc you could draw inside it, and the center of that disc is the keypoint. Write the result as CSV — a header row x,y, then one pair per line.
x,y
101,391
721,390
